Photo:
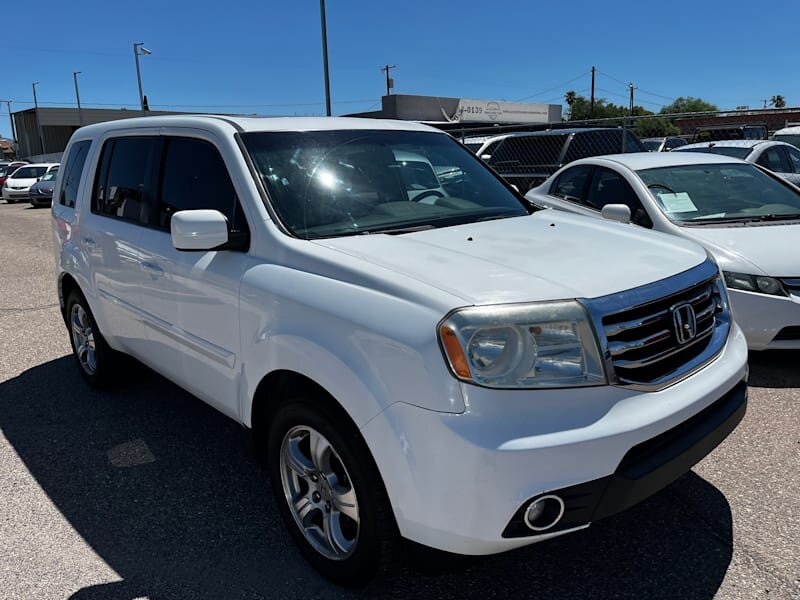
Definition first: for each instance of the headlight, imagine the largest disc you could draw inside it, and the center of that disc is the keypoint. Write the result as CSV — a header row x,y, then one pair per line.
x,y
754,283
548,344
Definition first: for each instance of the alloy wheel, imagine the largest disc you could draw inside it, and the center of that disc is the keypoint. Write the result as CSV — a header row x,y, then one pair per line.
x,y
319,492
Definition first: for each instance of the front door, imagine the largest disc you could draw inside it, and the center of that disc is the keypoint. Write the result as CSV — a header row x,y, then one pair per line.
x,y
192,298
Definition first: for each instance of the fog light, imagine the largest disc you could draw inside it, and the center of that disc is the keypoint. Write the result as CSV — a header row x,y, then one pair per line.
x,y
544,513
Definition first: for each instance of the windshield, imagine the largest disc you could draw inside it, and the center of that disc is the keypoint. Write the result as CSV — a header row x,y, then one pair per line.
x,y
51,175
334,183
794,140
723,150
720,192
29,172
652,145
473,146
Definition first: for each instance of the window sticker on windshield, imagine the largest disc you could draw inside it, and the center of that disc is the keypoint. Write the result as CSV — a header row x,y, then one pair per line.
x,y
677,203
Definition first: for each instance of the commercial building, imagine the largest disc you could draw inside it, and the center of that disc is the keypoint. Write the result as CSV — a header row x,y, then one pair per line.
x,y
463,111
46,131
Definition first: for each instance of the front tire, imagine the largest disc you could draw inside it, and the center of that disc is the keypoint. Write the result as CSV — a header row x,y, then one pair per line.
x,y
329,492
96,360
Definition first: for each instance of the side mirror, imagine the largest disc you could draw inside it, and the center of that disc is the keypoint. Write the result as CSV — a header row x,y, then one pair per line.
x,y
198,230
616,212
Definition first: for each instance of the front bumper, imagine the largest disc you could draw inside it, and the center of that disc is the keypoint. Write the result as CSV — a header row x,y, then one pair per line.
x,y
15,194
458,481
768,322
40,200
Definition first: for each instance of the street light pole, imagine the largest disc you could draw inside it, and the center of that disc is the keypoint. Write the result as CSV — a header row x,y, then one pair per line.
x,y
325,57
78,96
38,120
137,50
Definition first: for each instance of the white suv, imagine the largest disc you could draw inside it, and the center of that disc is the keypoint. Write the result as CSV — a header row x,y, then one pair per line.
x,y
453,366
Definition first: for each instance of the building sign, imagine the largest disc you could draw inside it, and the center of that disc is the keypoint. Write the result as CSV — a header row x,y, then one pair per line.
x,y
501,112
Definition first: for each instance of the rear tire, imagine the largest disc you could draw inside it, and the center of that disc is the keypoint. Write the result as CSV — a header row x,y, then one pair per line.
x,y
329,492
96,359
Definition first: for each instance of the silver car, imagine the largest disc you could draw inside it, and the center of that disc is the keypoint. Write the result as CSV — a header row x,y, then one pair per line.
x,y
779,157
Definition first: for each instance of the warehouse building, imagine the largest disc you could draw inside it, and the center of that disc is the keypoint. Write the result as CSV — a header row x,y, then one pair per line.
x,y
46,131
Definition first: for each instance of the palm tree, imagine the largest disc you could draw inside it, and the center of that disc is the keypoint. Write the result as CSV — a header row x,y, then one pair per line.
x,y
570,97
778,101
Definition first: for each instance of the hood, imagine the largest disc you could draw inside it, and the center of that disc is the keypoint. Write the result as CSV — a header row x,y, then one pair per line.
x,y
549,255
44,186
768,248
21,183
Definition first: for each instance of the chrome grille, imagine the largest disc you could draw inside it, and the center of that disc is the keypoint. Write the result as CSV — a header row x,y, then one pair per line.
x,y
792,285
637,328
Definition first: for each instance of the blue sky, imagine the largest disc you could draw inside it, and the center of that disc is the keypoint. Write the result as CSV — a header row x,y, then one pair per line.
x,y
248,56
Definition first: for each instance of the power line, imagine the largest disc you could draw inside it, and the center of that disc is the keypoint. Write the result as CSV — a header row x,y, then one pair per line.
x,y
555,87
638,89
288,104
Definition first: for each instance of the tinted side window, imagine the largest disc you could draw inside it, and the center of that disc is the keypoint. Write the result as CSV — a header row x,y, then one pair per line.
x,y
572,184
123,187
774,159
794,158
72,173
674,143
195,177
610,187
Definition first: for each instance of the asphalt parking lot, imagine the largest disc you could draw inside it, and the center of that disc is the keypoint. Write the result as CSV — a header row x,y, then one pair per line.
x,y
146,492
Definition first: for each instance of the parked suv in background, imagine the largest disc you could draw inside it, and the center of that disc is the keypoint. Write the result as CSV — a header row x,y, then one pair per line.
x,y
527,159
459,369
790,135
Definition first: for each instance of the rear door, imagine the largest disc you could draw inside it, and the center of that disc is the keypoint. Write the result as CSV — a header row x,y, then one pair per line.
x,y
110,233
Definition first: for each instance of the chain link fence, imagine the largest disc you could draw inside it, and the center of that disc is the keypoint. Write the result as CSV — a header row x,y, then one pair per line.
x,y
526,155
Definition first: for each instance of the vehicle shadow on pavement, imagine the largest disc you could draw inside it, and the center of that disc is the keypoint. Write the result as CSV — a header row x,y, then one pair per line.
x,y
166,491
775,369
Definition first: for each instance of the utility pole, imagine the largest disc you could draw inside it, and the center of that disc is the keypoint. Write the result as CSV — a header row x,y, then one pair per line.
x,y
389,80
10,118
78,97
38,120
325,57
630,86
591,101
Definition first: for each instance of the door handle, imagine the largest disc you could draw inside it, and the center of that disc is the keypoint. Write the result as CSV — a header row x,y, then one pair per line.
x,y
89,242
152,267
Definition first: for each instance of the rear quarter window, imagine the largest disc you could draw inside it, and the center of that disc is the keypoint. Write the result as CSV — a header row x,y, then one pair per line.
x,y
73,171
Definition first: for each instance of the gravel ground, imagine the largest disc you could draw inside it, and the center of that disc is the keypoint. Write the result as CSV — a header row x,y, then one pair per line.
x,y
145,492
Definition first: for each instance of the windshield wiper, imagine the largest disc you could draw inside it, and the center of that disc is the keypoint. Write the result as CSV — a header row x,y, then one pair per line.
x,y
745,220
775,217
396,230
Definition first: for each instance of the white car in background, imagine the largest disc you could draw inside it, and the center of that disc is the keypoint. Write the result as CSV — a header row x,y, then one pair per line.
x,y
17,187
790,135
779,157
747,219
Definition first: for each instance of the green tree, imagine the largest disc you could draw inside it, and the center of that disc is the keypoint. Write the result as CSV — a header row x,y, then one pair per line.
x,y
580,108
688,104
778,101
655,127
